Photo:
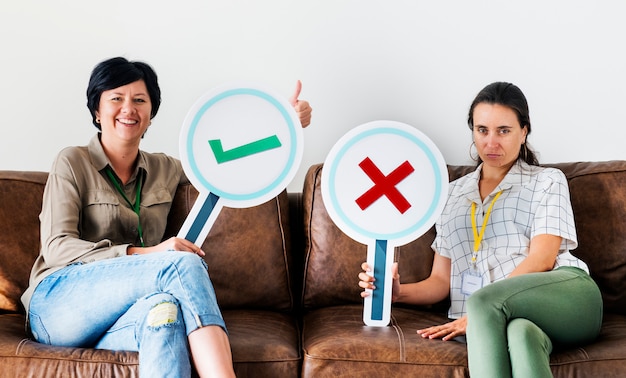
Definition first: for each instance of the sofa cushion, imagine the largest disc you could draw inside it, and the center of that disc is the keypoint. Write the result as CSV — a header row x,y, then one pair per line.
x,y
336,341
32,359
333,260
21,195
264,343
598,193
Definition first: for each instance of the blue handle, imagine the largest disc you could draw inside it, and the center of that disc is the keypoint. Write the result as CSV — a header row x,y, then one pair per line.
x,y
380,261
203,216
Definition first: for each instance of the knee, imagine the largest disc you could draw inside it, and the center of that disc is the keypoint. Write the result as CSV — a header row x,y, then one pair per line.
x,y
480,300
163,311
522,333
182,266
190,259
188,262
162,338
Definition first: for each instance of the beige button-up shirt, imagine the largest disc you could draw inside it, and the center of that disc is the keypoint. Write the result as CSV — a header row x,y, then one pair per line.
x,y
84,218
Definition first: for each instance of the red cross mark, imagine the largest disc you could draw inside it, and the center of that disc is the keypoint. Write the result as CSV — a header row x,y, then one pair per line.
x,y
385,185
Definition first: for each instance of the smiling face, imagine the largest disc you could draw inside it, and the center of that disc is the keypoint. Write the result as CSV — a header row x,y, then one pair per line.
x,y
498,135
124,113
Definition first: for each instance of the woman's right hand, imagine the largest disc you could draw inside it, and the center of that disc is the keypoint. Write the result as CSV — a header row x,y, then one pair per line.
x,y
447,331
367,281
171,244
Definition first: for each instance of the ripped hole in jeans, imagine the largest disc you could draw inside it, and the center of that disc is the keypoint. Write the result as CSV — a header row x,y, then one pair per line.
x,y
162,314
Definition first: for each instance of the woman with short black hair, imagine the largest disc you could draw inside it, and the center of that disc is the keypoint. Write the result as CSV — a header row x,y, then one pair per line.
x,y
104,277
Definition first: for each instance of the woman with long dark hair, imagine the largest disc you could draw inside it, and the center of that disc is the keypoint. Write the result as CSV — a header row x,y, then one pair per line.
x,y
502,252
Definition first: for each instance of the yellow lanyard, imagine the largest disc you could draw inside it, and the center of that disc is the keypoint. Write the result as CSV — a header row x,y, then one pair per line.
x,y
478,238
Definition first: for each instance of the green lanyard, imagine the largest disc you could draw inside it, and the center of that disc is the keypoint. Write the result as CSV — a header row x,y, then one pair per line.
x,y
136,206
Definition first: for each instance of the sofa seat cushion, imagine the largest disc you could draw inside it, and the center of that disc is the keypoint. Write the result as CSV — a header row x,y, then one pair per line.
x,y
606,357
338,344
264,343
32,359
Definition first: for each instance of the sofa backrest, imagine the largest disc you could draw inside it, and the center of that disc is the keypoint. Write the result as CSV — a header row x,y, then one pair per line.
x,y
598,192
248,250
333,260
20,203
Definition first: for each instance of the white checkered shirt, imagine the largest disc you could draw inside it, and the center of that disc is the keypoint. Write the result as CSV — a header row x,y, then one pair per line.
x,y
534,201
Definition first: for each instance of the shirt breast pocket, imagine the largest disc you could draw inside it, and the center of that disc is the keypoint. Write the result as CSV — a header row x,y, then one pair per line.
x,y
155,207
101,217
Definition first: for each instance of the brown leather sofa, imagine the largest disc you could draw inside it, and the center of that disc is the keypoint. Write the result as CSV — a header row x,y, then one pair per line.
x,y
286,279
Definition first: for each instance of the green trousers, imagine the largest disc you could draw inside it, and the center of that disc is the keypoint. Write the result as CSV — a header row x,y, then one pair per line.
x,y
513,324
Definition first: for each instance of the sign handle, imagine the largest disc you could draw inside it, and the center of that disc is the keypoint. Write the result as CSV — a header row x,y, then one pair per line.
x,y
201,217
377,306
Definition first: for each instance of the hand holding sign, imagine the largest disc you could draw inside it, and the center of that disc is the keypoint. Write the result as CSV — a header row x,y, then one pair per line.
x,y
384,184
240,146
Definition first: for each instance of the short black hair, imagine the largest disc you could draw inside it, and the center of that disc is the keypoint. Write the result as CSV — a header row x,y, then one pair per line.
x,y
116,72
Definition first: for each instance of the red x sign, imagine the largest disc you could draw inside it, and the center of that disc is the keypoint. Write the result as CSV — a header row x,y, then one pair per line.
x,y
385,185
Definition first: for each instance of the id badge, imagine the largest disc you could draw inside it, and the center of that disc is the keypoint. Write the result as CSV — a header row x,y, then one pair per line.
x,y
471,281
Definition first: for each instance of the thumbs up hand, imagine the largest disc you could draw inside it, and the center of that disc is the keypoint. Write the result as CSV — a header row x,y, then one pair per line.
x,y
302,108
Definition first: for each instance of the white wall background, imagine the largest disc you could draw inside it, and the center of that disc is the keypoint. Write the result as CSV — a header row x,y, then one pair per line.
x,y
418,62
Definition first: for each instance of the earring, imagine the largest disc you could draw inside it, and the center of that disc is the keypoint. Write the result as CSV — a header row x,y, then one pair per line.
x,y
97,120
472,156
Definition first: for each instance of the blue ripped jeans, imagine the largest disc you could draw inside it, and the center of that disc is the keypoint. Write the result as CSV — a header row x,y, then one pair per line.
x,y
144,303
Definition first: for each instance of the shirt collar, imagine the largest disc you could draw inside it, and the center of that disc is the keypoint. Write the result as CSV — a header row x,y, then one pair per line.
x,y
518,175
100,160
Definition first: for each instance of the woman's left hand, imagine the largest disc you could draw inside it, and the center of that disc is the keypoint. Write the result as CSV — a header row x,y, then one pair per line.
x,y
300,106
446,331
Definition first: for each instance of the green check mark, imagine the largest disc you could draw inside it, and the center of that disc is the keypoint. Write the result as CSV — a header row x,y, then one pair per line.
x,y
242,151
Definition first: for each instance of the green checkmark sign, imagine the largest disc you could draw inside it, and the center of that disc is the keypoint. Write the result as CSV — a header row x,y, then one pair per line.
x,y
242,151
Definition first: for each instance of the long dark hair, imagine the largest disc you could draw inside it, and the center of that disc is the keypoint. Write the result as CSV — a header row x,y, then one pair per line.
x,y
116,72
509,95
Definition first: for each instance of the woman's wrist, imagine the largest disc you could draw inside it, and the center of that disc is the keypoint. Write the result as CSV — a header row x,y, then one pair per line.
x,y
132,250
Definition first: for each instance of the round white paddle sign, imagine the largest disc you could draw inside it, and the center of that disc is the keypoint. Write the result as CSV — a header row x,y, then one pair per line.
x,y
384,184
240,146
